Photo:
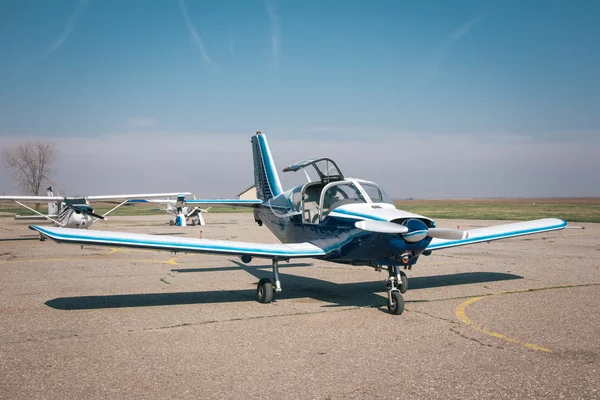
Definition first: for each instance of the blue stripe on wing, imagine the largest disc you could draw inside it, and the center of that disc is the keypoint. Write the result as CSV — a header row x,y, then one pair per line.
x,y
179,244
441,244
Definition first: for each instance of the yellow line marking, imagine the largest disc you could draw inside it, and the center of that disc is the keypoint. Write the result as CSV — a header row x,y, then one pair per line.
x,y
460,313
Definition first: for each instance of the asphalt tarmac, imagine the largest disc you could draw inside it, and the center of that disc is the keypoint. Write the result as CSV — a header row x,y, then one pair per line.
x,y
518,318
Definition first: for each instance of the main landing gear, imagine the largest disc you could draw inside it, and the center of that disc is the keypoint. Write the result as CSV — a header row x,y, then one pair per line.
x,y
397,283
265,289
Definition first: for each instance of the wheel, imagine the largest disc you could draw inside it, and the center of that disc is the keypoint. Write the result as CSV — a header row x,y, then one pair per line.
x,y
264,291
403,287
397,306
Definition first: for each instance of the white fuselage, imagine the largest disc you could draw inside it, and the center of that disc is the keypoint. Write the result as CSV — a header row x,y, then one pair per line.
x,y
74,219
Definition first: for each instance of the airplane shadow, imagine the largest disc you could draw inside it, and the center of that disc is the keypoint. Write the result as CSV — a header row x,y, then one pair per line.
x,y
360,294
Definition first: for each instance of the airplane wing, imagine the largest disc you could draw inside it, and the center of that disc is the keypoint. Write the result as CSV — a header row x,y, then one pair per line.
x,y
133,196
32,198
500,232
225,202
182,244
161,201
228,202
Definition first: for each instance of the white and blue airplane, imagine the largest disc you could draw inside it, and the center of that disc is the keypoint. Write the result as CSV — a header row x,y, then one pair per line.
x,y
76,212
185,214
333,218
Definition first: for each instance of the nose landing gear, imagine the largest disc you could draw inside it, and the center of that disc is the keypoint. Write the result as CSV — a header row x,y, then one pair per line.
x,y
397,283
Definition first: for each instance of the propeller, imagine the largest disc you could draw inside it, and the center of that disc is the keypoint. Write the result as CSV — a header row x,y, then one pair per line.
x,y
87,211
381,226
412,230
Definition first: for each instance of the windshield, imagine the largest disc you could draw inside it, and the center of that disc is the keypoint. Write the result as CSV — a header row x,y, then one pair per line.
x,y
338,195
376,194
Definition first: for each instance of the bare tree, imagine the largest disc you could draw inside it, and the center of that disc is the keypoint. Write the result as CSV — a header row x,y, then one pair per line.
x,y
30,164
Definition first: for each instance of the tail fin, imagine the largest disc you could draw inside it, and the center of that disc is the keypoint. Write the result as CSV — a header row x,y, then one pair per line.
x,y
265,175
52,206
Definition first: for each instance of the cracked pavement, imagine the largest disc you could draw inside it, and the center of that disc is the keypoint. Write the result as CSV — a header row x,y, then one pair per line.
x,y
105,323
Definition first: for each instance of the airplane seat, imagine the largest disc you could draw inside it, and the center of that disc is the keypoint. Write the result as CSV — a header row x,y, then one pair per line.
x,y
311,197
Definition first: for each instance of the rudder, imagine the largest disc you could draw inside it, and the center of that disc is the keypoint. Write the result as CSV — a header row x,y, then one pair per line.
x,y
265,174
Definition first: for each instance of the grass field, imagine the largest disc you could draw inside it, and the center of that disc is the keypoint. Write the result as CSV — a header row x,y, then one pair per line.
x,y
569,209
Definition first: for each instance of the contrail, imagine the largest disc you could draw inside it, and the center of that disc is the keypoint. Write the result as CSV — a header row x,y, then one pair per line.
x,y
194,33
67,31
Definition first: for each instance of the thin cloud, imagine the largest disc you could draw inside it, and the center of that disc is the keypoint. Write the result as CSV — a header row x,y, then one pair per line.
x,y
67,31
463,30
450,40
275,24
194,34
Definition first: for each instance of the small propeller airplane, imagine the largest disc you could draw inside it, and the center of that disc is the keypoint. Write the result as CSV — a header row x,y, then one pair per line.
x,y
183,214
333,218
76,212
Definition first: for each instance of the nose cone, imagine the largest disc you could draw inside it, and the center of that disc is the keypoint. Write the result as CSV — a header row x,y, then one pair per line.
x,y
417,230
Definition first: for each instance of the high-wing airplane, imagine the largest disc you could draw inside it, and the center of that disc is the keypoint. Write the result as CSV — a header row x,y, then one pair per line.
x,y
76,212
184,213
334,218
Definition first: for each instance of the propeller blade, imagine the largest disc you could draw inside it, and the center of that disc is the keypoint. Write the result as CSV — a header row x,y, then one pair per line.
x,y
381,226
448,234
94,215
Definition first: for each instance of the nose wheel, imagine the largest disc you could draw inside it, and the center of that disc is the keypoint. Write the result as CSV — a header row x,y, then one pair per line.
x,y
395,302
397,283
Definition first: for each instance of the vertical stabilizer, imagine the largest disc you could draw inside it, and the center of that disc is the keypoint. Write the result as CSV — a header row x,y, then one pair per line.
x,y
265,175
52,206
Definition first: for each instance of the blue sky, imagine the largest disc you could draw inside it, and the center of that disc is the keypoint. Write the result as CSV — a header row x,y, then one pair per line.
x,y
513,85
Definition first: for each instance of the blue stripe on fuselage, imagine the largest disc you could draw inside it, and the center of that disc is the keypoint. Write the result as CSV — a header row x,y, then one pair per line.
x,y
358,215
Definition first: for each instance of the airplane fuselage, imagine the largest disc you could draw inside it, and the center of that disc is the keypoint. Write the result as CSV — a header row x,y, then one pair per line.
x,y
74,218
337,233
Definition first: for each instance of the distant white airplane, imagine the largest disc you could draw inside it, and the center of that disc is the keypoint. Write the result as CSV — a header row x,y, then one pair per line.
x,y
184,214
76,212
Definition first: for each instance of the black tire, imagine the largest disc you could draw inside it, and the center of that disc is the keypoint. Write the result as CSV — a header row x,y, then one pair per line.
x,y
397,306
264,291
403,283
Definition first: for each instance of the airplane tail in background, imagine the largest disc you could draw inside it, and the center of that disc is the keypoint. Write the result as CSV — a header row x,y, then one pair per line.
x,y
52,206
265,174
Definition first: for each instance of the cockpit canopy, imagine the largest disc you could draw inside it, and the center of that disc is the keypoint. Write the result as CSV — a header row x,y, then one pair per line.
x,y
316,199
326,168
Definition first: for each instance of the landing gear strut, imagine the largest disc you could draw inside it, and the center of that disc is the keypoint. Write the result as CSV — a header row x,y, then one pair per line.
x,y
265,289
397,284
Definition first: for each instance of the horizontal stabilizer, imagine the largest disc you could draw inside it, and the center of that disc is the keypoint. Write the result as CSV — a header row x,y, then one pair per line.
x,y
232,202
